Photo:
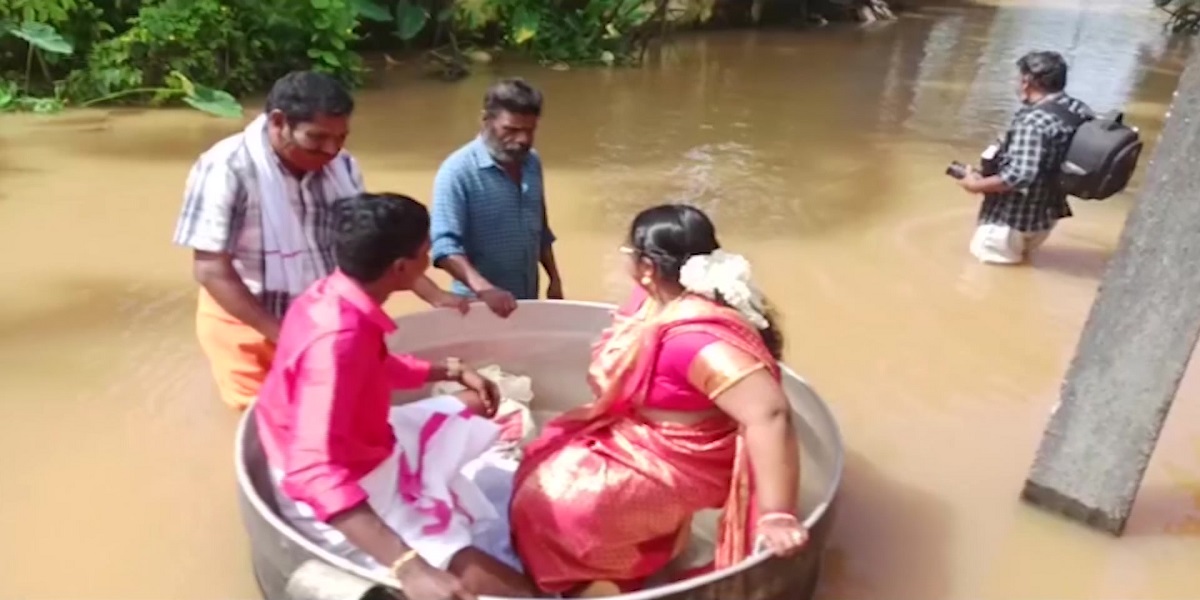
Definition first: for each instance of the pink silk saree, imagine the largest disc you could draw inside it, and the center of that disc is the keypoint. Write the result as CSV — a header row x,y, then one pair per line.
x,y
604,494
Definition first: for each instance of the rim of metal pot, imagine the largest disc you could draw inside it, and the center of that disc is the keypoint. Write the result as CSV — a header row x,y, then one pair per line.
x,y
247,487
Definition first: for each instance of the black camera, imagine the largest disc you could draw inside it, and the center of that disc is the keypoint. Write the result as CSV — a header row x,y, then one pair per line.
x,y
989,164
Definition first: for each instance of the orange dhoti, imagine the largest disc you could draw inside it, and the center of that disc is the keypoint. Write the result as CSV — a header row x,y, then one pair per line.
x,y
239,355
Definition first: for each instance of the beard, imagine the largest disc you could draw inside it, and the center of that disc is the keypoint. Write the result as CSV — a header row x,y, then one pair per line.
x,y
511,155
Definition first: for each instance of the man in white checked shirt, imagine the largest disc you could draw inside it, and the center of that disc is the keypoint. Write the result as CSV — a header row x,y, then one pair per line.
x,y
257,213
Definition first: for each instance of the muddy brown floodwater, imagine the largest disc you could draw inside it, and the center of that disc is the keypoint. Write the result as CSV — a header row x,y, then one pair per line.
x,y
821,156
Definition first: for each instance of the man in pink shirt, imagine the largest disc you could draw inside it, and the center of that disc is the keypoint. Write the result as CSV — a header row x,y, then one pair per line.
x,y
344,471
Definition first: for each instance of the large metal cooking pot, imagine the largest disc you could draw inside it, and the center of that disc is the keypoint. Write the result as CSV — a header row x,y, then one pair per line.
x,y
550,342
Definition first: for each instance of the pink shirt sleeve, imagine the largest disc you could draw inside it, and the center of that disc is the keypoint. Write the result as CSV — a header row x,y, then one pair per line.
x,y
407,372
329,376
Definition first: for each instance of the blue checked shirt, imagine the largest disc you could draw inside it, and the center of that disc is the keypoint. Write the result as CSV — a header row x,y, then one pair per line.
x,y
481,213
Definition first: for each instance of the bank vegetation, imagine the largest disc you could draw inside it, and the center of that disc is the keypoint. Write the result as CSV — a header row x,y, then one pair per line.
x,y
1183,15
206,53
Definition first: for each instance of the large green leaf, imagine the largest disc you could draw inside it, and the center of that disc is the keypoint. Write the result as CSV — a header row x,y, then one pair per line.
x,y
372,11
410,19
524,26
214,102
42,37
182,82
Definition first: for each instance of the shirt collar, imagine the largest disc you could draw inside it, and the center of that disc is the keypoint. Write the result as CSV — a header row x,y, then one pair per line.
x,y
479,151
1047,99
347,289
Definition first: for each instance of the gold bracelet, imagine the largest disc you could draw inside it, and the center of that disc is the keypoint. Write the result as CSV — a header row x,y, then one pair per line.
x,y
399,563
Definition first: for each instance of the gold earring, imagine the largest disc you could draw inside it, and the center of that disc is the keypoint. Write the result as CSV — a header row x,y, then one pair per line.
x,y
646,281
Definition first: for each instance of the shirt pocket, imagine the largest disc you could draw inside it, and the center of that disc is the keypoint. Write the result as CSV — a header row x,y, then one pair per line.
x,y
533,209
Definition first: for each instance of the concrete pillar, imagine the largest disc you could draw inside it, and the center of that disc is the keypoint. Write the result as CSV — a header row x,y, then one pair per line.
x,y
1136,342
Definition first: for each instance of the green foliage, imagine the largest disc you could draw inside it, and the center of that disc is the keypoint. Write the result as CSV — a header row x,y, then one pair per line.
x,y
56,53
410,19
577,31
583,34
41,38
331,25
235,46
51,12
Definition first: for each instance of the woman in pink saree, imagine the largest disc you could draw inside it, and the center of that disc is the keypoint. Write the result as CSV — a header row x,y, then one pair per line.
x,y
688,415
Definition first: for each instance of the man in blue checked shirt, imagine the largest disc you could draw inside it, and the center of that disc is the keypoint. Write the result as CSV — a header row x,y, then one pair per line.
x,y
489,225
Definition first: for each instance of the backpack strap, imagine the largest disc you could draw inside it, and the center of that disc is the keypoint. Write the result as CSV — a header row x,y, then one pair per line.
x,y
1063,112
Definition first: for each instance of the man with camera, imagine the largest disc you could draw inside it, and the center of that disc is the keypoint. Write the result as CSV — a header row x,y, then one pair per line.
x,y
1019,174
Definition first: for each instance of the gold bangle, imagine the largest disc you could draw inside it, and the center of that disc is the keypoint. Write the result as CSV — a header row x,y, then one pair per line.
x,y
399,563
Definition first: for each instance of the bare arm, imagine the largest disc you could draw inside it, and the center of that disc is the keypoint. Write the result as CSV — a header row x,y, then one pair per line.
x,y
370,534
546,257
548,263
758,403
427,290
363,528
214,271
460,268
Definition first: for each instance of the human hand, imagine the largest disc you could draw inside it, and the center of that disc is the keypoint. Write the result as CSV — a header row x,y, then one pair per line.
x,y
499,301
452,301
554,291
421,581
485,390
970,182
781,533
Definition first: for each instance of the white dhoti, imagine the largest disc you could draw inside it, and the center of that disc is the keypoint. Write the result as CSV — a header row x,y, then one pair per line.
x,y
443,489
1003,245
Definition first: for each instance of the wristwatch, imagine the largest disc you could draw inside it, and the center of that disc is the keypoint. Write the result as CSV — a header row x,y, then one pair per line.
x,y
454,368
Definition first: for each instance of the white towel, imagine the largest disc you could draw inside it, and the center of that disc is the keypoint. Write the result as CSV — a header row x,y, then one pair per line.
x,y
289,250
438,506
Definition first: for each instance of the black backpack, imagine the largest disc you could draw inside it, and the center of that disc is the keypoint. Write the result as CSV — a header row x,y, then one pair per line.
x,y
1103,154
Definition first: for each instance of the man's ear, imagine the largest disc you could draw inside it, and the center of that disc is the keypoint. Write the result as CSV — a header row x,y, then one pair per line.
x,y
277,118
401,266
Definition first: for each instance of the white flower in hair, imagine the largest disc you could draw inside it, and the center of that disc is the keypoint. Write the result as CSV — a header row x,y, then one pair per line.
x,y
729,274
